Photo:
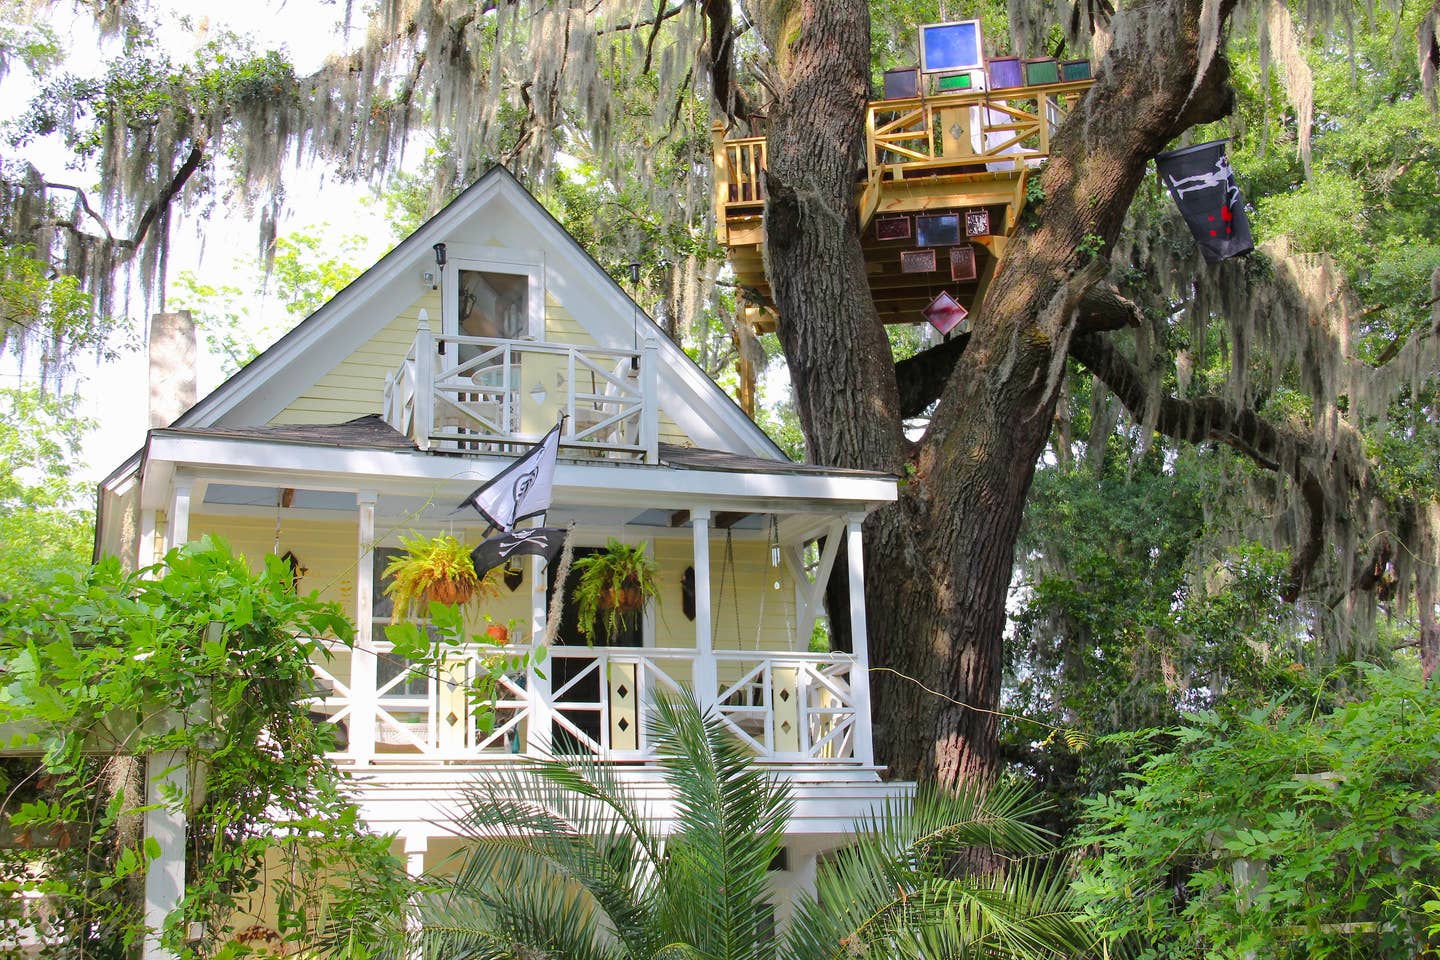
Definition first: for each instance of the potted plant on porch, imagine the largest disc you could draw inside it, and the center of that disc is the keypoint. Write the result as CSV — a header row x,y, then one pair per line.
x,y
612,588
434,570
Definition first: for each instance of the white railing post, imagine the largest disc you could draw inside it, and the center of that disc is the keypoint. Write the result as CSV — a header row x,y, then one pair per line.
x,y
650,402
424,383
707,677
165,824
537,677
362,657
859,643
570,392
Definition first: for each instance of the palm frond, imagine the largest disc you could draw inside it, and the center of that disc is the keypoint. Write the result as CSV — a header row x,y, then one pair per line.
x,y
530,826
894,892
729,824
513,921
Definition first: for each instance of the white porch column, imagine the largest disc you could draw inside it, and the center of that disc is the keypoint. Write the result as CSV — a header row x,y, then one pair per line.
x,y
145,545
707,678
537,687
860,643
362,658
416,846
165,876
177,530
789,887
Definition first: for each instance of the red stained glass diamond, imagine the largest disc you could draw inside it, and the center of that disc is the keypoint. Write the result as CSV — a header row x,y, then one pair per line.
x,y
945,313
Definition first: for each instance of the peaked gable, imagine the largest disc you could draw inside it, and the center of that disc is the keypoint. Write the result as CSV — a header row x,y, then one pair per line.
x,y
495,219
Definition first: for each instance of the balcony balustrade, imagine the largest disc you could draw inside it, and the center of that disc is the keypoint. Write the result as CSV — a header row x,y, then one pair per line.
x,y
478,394
788,707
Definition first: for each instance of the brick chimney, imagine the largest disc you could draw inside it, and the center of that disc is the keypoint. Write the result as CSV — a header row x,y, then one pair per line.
x,y
172,366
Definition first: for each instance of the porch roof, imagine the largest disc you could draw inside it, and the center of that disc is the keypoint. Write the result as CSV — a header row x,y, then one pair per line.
x,y
367,455
372,433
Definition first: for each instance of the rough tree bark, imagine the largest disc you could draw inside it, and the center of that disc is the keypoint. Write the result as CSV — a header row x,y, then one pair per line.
x,y
939,562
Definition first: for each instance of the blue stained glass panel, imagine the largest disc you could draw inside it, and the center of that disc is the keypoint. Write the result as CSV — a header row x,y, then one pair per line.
x,y
945,47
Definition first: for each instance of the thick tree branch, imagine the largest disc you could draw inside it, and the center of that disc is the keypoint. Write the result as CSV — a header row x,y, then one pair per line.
x,y
923,376
1215,419
161,203
722,52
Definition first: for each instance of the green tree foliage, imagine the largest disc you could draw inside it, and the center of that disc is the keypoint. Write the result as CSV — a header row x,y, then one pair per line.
x,y
587,875
196,655
1301,828
307,269
1134,618
46,517
39,310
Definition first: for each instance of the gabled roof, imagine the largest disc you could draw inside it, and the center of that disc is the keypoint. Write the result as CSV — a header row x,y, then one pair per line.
x,y
263,388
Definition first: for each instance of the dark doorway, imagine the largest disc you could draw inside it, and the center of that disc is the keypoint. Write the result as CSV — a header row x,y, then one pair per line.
x,y
564,669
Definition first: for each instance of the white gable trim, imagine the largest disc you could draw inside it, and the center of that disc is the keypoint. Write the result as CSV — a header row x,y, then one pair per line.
x,y
273,380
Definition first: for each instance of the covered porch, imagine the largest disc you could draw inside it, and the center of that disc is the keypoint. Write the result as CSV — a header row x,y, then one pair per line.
x,y
745,548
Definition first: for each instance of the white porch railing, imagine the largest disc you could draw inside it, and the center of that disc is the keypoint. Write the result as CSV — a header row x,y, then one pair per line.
x,y
792,708
481,394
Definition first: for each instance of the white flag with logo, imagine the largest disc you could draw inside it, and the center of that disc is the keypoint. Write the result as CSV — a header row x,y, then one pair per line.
x,y
521,490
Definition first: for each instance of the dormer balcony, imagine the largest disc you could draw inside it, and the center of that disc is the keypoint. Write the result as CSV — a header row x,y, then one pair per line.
x,y
464,394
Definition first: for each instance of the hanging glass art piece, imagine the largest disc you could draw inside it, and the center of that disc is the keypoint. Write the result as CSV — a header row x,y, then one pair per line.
x,y
977,223
945,313
917,261
892,228
962,263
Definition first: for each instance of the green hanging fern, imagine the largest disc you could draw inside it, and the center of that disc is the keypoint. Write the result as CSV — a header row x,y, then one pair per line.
x,y
434,569
613,587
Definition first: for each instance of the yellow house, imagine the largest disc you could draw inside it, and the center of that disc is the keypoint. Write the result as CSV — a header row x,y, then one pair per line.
x,y
424,378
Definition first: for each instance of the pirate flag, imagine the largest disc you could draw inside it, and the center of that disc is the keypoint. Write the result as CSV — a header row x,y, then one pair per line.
x,y
1202,183
544,542
522,489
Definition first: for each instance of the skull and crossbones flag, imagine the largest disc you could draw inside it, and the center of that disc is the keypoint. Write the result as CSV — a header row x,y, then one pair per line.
x,y
544,542
1203,186
521,490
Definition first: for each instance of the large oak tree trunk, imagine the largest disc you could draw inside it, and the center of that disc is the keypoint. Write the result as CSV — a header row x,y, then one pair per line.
x,y
939,562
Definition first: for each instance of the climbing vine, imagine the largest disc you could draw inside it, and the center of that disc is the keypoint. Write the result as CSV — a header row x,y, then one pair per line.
x,y
201,657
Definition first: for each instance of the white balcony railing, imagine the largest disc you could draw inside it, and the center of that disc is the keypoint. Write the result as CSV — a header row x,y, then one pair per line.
x,y
787,707
486,395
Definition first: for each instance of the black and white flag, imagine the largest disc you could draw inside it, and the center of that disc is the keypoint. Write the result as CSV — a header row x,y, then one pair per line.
x,y
521,490
544,542
1203,186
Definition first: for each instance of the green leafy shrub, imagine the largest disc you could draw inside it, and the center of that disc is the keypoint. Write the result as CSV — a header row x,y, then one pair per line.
x,y
1299,829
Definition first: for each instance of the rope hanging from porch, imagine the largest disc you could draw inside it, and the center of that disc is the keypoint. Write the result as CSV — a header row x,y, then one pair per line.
x,y
727,566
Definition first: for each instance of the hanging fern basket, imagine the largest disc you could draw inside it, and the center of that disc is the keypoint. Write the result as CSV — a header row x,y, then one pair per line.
x,y
627,598
457,592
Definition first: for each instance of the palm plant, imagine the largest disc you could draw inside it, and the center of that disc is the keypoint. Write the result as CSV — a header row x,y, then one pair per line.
x,y
565,861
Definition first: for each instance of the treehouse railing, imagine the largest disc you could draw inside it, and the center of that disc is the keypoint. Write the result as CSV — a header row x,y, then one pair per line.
x,y
481,394
786,707
998,128
972,131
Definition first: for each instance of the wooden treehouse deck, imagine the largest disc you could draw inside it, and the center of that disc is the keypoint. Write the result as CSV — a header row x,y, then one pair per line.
x,y
925,157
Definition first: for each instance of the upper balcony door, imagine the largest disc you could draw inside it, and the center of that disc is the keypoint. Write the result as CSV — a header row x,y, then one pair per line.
x,y
493,301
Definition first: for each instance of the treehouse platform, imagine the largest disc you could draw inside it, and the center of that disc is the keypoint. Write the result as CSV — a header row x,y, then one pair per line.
x,y
941,190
